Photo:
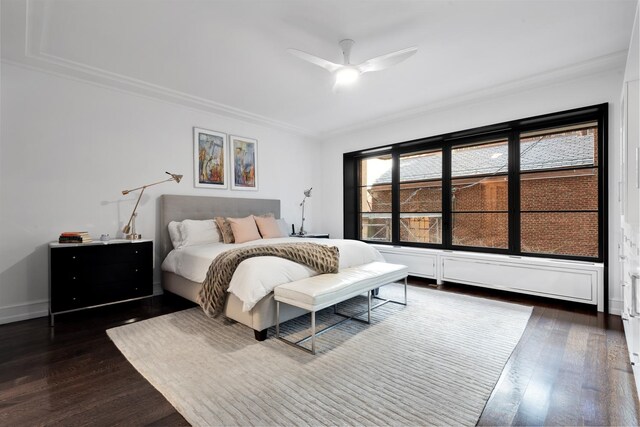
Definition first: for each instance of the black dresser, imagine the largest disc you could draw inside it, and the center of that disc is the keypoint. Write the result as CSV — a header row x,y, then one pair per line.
x,y
94,274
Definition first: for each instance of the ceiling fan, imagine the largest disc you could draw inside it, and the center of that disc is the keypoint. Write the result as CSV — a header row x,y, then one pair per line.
x,y
348,73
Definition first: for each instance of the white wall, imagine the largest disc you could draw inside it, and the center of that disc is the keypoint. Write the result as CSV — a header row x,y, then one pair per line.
x,y
68,148
574,93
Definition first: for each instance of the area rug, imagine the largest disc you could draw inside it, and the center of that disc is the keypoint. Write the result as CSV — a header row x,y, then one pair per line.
x,y
433,362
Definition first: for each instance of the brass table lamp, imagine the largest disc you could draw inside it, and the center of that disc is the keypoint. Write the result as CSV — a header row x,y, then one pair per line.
x,y
307,193
129,230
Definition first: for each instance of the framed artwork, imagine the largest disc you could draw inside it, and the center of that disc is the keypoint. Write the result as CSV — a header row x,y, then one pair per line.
x,y
209,158
244,163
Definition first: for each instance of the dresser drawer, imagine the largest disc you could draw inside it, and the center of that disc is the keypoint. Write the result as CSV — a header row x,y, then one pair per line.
x,y
119,291
79,256
69,297
99,274
74,297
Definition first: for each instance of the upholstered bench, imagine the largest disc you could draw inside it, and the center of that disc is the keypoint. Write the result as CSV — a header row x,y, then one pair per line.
x,y
325,290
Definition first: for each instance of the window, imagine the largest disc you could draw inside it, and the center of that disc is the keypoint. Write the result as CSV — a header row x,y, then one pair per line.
x,y
421,197
559,191
531,187
375,198
479,194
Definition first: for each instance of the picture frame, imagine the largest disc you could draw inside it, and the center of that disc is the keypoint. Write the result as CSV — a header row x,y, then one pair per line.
x,y
210,162
244,163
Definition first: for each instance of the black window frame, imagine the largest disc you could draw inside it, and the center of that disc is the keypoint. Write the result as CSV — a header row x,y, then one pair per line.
x,y
511,131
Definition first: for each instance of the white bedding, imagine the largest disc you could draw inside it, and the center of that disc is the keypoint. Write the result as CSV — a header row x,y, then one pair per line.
x,y
256,277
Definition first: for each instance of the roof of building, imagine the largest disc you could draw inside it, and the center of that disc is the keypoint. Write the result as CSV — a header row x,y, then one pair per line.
x,y
536,153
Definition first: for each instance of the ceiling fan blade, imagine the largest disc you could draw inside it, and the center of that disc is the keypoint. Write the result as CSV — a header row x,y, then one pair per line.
x,y
327,65
386,61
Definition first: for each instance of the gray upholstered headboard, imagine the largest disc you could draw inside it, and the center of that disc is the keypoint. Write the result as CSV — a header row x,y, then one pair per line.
x,y
178,208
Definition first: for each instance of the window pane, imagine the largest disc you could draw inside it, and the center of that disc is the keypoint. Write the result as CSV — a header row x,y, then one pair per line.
x,y
479,194
475,193
561,233
489,158
565,147
423,228
375,226
488,230
421,197
375,199
567,189
375,170
559,177
421,166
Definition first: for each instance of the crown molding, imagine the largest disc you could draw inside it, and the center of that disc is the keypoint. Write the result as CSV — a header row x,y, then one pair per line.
x,y
35,30
614,61
102,78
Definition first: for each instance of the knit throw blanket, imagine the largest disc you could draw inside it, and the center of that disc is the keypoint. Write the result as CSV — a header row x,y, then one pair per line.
x,y
213,295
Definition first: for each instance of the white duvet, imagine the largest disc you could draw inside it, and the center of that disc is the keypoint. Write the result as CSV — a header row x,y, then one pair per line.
x,y
256,277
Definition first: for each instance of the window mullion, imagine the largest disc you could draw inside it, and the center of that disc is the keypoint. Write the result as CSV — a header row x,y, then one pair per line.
x,y
446,196
514,192
395,196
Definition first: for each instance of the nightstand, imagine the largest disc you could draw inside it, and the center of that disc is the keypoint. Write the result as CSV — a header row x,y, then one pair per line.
x,y
312,235
88,275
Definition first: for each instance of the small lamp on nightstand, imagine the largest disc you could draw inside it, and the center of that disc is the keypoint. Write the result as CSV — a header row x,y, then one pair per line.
x,y
129,230
307,193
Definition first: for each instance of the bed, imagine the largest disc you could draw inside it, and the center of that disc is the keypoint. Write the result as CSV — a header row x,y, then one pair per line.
x,y
187,284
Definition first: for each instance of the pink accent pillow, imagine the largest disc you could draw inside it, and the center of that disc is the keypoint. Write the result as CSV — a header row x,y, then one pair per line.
x,y
268,227
244,229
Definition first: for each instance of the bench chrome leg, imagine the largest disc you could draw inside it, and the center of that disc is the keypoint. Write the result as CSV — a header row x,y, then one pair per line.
x,y
277,319
405,291
370,297
313,332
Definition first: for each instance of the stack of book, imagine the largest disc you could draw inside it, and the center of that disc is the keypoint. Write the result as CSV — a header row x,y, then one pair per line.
x,y
74,237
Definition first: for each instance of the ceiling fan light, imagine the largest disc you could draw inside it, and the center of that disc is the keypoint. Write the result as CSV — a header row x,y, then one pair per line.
x,y
347,75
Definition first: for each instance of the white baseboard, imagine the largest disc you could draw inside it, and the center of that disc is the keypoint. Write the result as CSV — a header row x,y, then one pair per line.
x,y
615,306
32,310
18,312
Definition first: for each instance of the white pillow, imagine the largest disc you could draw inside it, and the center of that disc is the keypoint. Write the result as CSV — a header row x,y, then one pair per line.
x,y
174,234
284,227
199,232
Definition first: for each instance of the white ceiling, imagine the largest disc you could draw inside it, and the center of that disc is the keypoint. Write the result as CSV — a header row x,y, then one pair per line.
x,y
230,55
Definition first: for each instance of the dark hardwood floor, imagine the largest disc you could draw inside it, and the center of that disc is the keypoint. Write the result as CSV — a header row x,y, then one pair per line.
x,y
570,368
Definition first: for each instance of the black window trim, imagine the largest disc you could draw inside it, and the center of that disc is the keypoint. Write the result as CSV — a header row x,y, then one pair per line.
x,y
508,130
